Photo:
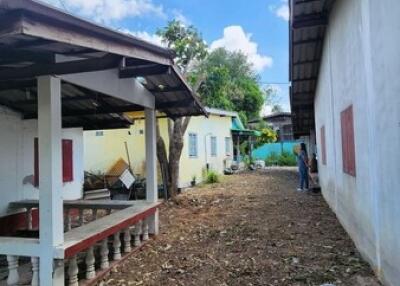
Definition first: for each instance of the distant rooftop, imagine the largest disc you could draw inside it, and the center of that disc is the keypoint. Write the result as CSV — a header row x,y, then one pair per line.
x,y
221,112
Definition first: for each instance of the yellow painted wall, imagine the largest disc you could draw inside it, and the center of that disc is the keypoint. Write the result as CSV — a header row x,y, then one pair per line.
x,y
103,148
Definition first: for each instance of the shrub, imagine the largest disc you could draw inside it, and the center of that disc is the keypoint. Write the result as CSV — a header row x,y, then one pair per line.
x,y
284,159
212,177
287,159
272,159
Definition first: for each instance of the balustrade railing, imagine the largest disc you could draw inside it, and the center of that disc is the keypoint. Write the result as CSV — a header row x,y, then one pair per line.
x,y
97,236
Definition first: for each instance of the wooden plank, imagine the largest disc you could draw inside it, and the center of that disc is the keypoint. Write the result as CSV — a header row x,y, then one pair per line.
x,y
81,238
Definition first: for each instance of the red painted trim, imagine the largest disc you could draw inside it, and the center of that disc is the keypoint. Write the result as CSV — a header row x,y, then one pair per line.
x,y
348,146
36,162
10,224
67,160
89,241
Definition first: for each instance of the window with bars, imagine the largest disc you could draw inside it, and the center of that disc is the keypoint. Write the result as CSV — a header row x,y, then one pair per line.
x,y
348,146
192,145
213,146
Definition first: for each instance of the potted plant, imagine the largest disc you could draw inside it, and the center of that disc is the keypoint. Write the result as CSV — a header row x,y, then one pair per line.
x,y
193,182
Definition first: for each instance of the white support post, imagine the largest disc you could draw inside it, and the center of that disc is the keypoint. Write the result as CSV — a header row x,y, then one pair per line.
x,y
50,177
151,156
151,166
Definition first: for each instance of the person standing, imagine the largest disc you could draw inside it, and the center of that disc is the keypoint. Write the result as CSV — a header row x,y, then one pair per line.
x,y
302,162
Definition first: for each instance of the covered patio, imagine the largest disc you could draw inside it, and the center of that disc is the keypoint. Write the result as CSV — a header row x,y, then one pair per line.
x,y
60,75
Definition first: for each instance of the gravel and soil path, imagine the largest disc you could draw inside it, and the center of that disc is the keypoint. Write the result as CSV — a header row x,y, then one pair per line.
x,y
250,229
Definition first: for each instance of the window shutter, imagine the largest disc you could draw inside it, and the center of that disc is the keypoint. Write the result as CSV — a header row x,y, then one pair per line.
x,y
67,160
348,146
36,162
323,145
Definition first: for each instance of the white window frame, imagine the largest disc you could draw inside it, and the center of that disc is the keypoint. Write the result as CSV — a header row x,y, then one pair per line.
x,y
190,136
214,146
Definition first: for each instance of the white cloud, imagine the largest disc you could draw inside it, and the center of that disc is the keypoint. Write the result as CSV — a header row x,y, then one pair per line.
x,y
235,40
106,11
178,15
152,38
281,11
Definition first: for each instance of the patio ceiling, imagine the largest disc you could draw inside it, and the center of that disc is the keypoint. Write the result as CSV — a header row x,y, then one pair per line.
x,y
36,39
308,21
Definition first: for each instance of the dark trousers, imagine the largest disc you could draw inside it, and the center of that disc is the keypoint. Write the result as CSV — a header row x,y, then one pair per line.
x,y
303,172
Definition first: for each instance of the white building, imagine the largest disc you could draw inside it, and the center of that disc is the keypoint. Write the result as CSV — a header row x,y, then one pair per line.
x,y
345,95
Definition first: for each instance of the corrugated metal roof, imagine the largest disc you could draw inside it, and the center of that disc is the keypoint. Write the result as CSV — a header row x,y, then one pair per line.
x,y
308,20
33,35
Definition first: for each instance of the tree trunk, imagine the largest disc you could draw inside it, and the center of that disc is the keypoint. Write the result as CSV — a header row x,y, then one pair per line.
x,y
170,164
163,161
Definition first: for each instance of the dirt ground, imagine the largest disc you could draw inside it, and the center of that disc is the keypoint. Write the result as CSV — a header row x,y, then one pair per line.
x,y
250,229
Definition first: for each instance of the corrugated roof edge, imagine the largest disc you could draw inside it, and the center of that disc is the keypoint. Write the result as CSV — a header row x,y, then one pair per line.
x,y
39,7
222,112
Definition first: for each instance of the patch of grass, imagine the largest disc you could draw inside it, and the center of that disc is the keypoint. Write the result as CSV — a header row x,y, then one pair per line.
x,y
212,177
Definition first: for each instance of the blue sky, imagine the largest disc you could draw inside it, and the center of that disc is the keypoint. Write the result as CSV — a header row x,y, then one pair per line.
x,y
259,28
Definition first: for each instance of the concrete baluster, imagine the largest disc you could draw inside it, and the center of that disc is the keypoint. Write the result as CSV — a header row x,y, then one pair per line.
x,y
104,254
127,240
137,233
94,214
73,272
29,218
81,218
117,246
68,223
145,230
13,276
35,271
90,260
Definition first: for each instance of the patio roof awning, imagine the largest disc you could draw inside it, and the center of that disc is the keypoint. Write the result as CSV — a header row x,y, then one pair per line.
x,y
37,39
308,20
239,129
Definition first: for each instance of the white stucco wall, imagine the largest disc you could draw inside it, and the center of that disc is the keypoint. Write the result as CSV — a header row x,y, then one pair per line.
x,y
17,159
360,66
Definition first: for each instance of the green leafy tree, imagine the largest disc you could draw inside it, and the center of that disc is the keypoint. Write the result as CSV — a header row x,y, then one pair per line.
x,y
189,48
230,83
